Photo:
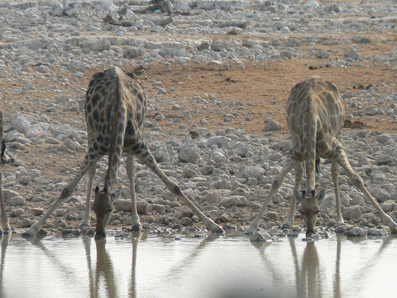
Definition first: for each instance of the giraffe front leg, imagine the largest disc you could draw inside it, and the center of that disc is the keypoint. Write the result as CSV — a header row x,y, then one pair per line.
x,y
4,219
35,228
136,224
143,153
66,193
356,180
335,169
298,180
85,222
275,186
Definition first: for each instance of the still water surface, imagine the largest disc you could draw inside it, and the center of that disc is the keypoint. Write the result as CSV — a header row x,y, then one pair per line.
x,y
220,267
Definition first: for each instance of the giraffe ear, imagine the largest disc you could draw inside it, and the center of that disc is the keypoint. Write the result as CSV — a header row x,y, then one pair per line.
x,y
298,196
96,189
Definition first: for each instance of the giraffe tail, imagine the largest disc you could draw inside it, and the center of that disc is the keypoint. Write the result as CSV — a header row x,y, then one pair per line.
x,y
2,142
118,123
311,148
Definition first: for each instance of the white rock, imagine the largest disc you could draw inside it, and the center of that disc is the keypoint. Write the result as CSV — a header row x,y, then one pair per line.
x,y
272,125
123,205
356,231
218,156
56,9
238,201
72,9
220,141
241,149
353,212
352,53
161,154
380,194
12,136
190,154
20,124
261,236
253,172
16,201
8,194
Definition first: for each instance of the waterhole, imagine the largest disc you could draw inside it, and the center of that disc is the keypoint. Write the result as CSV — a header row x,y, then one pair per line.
x,y
228,266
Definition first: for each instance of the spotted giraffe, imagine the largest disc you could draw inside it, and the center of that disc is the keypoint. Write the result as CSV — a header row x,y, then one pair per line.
x,y
4,219
114,111
315,116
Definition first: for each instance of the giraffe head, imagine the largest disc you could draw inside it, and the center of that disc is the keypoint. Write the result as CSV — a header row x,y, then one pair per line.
x,y
309,208
103,207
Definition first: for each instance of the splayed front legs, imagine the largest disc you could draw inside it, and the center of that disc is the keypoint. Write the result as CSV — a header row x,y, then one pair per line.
x,y
147,158
66,193
356,180
289,164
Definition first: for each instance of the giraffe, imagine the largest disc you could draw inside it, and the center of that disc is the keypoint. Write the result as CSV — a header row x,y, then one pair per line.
x,y
4,219
114,110
315,116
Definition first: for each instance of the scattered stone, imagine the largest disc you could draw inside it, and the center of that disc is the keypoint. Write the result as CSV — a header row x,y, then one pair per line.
x,y
234,201
190,154
376,232
352,53
261,236
272,125
227,170
356,231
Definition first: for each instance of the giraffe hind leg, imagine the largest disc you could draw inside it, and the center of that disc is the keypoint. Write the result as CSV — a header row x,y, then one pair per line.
x,y
142,152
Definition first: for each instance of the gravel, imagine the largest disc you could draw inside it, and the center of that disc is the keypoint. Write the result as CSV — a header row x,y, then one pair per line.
x,y
227,172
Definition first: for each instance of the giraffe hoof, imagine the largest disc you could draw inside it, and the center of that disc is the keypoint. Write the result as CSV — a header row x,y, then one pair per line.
x,y
26,235
87,230
136,228
217,229
286,226
6,231
393,230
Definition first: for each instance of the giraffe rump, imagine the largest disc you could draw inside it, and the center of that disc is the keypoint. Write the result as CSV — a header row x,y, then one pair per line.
x,y
113,117
312,121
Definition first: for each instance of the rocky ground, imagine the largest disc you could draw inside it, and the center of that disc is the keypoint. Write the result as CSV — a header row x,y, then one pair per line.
x,y
217,77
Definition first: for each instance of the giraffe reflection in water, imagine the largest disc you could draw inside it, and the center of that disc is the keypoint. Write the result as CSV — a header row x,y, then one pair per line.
x,y
104,277
219,265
